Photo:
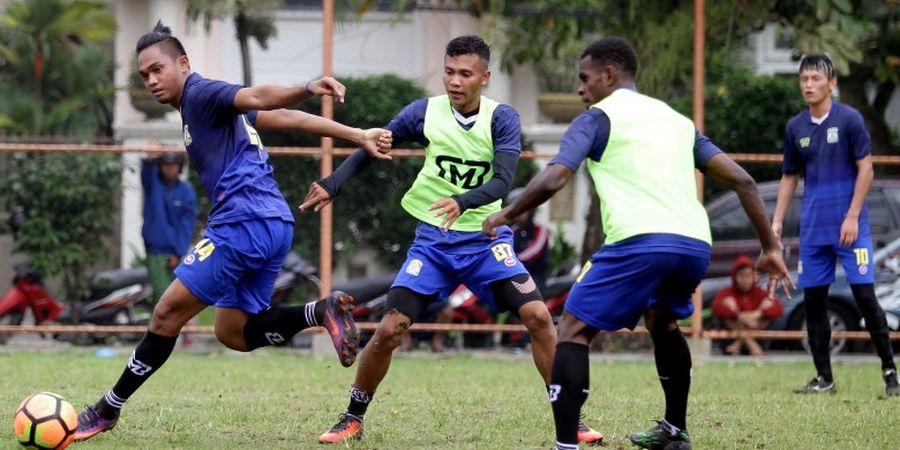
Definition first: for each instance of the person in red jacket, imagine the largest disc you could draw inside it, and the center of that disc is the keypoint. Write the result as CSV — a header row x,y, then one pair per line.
x,y
745,306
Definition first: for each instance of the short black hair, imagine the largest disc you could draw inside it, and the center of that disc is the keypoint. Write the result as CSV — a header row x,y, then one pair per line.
x,y
469,45
817,61
615,51
161,34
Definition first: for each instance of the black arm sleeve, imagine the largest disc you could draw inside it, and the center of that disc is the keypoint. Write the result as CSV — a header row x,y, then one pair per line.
x,y
496,188
352,166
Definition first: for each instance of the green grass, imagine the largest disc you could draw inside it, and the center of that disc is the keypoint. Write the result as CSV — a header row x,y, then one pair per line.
x,y
280,400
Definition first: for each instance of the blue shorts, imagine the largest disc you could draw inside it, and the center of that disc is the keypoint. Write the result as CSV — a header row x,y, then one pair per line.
x,y
433,266
817,263
235,264
613,291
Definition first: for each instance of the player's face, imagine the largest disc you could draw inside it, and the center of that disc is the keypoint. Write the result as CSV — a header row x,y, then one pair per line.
x,y
815,86
595,82
464,76
163,74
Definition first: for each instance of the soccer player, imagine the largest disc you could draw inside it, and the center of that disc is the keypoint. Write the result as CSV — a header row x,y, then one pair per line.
x,y
472,149
829,143
641,155
250,226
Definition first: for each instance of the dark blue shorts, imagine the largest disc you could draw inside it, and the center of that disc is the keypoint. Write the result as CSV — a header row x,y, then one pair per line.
x,y
613,291
817,263
430,269
235,264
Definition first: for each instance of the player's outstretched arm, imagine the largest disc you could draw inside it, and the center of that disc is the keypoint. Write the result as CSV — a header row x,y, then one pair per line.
x,y
375,141
724,170
543,186
322,192
268,97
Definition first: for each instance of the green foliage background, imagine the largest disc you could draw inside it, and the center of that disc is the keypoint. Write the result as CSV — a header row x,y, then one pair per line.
x,y
367,211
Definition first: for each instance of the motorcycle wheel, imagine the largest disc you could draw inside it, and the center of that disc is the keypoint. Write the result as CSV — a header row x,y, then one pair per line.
x,y
13,318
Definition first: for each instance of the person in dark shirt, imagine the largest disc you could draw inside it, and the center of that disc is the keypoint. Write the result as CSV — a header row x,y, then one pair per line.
x,y
250,227
828,142
170,213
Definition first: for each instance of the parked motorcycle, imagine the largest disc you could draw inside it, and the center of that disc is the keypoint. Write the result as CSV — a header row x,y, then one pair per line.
x,y
116,297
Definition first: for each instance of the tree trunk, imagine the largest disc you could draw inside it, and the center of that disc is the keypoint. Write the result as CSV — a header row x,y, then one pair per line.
x,y
240,26
593,233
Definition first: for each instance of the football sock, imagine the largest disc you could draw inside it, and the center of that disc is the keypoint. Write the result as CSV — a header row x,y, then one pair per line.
x,y
569,388
818,329
359,402
276,326
147,358
673,365
876,322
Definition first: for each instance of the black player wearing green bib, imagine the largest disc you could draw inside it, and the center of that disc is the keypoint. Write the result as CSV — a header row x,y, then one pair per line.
x,y
472,149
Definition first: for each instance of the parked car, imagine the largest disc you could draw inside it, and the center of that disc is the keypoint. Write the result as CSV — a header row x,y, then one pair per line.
x,y
733,234
843,313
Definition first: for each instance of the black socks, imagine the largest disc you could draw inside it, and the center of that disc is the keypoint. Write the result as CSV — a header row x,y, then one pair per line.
x,y
568,390
147,358
275,326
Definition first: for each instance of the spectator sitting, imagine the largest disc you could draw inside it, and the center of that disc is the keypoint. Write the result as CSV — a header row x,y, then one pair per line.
x,y
745,306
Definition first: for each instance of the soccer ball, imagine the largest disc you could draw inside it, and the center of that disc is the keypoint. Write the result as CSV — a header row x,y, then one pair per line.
x,y
45,421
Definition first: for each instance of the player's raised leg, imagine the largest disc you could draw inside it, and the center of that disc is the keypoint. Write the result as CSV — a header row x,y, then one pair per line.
x,y
174,309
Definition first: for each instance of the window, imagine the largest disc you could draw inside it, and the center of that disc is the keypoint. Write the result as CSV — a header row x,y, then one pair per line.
x,y
732,225
879,213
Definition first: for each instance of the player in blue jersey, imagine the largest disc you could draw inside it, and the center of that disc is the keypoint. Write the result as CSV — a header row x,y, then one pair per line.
x,y
250,227
828,142
642,156
472,149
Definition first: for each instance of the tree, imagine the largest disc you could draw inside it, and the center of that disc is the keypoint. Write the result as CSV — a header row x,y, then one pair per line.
x,y
53,62
252,19
56,78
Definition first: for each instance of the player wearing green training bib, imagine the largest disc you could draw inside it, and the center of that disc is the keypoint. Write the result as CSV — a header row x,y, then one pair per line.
x,y
472,147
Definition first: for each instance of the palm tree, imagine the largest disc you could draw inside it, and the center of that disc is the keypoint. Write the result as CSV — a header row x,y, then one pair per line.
x,y
54,47
252,19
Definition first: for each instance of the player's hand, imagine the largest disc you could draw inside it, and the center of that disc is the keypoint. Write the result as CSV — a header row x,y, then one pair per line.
x,y
849,231
449,209
772,263
327,86
489,226
377,142
317,198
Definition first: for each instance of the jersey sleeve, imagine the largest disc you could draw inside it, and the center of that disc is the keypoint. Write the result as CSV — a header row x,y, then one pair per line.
x,y
506,130
214,99
704,149
409,124
792,157
858,137
586,138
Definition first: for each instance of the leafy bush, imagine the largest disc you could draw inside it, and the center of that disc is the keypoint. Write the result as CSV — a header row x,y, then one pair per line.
x,y
367,212
746,113
70,208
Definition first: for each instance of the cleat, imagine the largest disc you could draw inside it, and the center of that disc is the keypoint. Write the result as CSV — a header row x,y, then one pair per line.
x,y
587,435
816,386
91,424
657,438
348,427
340,325
891,385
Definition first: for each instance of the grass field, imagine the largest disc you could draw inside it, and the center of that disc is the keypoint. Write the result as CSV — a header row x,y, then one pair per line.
x,y
281,400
